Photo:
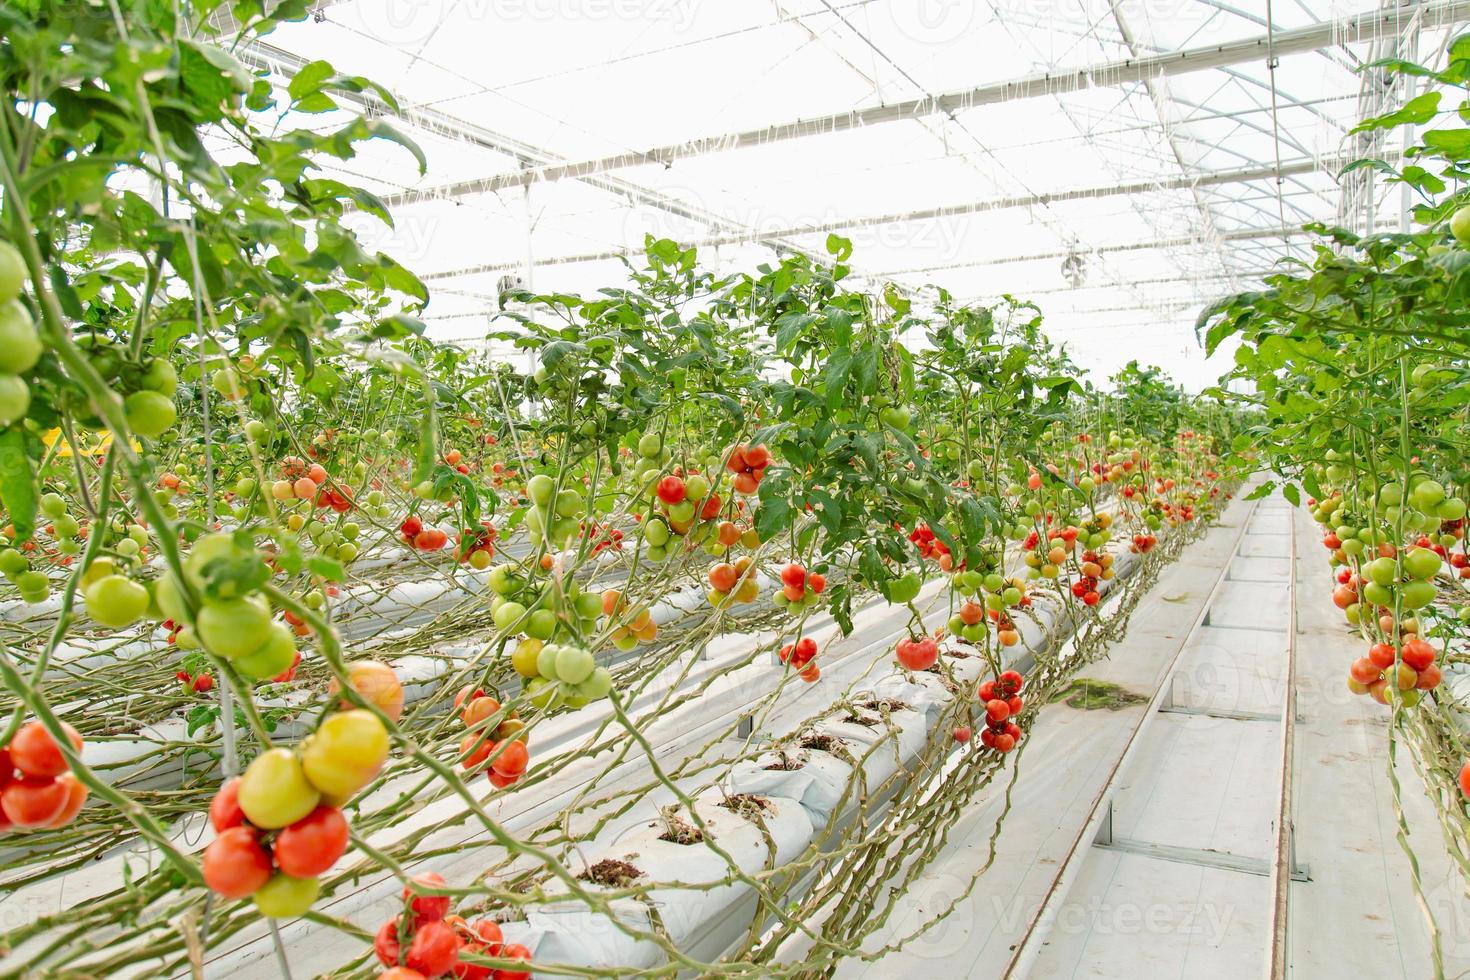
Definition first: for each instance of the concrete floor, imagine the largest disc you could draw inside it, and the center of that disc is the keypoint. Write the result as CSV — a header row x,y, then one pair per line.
x,y
1182,890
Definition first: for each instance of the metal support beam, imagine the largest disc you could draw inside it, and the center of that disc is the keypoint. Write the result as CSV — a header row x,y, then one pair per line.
x,y
1243,175
1244,234
1355,29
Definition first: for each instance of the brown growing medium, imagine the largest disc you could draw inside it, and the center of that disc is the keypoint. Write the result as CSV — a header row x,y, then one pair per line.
x,y
822,742
677,830
748,805
611,873
786,762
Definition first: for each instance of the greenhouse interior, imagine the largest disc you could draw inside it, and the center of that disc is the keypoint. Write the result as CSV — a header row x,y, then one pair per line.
x,y
660,488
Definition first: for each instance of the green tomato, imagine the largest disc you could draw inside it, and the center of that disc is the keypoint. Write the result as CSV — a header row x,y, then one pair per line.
x,y
284,897
574,664
656,532
904,588
650,445
1421,563
696,487
20,345
1450,509
227,383
503,580
1427,495
161,377
116,601
657,553
232,628
508,614
1417,595
544,694
682,512
53,505
273,657
540,489
596,685
15,399
541,625
1382,571
588,605
12,271
1460,225
257,431
569,503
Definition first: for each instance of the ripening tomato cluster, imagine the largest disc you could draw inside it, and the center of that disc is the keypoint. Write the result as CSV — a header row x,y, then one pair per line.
x,y
423,538
732,582
291,799
278,867
799,588
636,626
748,463
603,537
917,653
302,482
476,545
36,790
800,656
1386,674
476,749
426,941
1143,543
1002,700
931,547
195,683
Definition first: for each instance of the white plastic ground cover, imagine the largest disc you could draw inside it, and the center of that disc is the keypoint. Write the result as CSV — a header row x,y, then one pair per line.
x,y
571,933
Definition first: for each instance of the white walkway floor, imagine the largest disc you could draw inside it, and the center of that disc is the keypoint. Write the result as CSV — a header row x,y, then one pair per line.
x,y
1176,883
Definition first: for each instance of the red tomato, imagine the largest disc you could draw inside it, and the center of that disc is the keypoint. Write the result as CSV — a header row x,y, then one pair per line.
x,y
235,865
401,973
35,753
1364,671
76,795
671,490
794,575
1382,655
1465,780
513,760
386,945
490,934
997,710
515,951
434,950
474,750
33,801
1417,653
427,908
312,844
224,809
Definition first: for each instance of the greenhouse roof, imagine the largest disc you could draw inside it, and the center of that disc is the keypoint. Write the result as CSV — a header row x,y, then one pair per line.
x,y
1119,162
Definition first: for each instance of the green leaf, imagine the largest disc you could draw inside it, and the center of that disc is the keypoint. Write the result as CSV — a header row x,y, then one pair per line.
x,y
1290,492
839,248
327,568
1417,111
18,484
